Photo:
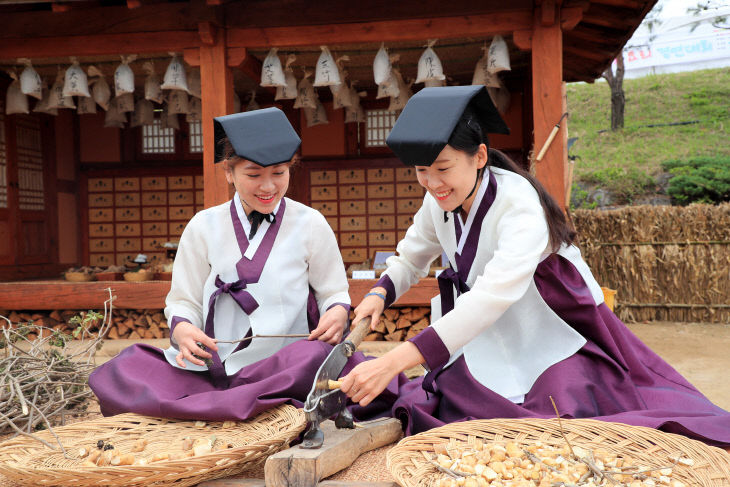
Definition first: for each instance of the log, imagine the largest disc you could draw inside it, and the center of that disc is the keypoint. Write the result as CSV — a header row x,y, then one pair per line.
x,y
56,315
390,327
402,324
391,314
395,336
373,337
299,467
383,324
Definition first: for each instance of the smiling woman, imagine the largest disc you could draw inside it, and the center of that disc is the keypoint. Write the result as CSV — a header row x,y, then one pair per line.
x,y
251,276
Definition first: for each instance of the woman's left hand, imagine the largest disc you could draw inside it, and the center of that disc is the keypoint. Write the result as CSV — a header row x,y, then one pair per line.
x,y
368,379
331,326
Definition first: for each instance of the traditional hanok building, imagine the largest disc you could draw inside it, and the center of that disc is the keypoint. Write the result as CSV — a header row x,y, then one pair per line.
x,y
74,192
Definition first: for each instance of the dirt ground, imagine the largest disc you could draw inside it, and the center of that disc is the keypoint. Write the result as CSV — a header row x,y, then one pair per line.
x,y
699,351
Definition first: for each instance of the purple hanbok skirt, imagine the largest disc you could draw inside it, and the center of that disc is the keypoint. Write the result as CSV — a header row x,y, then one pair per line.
x,y
140,380
613,377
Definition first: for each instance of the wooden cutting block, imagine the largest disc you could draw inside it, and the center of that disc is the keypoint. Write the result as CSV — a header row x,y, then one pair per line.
x,y
300,467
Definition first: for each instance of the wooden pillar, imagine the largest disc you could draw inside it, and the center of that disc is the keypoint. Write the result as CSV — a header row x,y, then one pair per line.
x,y
216,82
548,100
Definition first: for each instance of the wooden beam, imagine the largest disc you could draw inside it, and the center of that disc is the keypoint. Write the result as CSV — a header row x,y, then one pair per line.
x,y
58,7
207,31
132,4
570,17
379,31
547,79
132,295
636,4
100,44
306,467
548,13
235,56
191,56
522,39
216,81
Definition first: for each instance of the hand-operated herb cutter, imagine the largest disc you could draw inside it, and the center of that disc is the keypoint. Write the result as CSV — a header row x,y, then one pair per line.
x,y
323,403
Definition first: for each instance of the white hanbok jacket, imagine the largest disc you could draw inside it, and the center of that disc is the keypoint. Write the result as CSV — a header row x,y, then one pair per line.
x,y
272,275
504,329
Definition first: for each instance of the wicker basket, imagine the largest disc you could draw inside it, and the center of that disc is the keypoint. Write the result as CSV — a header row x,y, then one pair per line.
x,y
28,462
408,464
138,276
79,277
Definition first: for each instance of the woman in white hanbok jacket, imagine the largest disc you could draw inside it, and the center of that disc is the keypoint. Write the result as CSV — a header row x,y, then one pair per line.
x,y
260,264
519,317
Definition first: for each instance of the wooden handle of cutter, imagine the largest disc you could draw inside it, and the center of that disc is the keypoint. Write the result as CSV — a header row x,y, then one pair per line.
x,y
549,141
361,329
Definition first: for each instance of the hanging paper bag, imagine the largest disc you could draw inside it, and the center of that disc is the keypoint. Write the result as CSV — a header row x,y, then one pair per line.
x,y
100,91
389,87
399,101
355,112
341,73
305,93
169,120
252,105
15,100
289,90
86,105
194,82
30,80
177,102
152,89
482,76
429,65
125,103
342,98
316,116
143,114
195,110
271,72
41,105
75,82
113,117
175,78
431,83
500,97
124,76
498,55
326,73
381,65
56,99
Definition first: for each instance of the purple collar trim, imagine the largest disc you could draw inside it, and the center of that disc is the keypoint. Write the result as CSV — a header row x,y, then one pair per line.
x,y
250,269
464,261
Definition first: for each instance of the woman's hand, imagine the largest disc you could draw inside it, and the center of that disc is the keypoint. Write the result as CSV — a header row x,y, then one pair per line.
x,y
368,379
187,336
372,306
331,326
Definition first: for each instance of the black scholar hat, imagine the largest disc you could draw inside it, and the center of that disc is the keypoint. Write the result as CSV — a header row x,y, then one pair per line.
x,y
262,136
428,119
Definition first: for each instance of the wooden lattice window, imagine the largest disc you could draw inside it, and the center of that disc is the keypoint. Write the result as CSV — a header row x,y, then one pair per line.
x,y
196,137
157,140
3,160
30,164
378,124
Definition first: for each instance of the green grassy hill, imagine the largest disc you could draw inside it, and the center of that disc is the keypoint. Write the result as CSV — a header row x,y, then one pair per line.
x,y
627,162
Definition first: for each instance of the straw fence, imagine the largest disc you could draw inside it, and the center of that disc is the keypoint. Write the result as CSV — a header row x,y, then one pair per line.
x,y
667,263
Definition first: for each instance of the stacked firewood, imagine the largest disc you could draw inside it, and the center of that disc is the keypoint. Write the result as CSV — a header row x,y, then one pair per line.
x,y
395,325
134,324
399,324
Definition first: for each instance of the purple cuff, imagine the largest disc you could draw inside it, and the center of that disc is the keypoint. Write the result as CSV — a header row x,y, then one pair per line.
x,y
432,348
344,305
173,323
387,284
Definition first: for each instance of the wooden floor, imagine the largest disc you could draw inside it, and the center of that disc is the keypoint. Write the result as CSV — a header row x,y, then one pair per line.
x,y
48,295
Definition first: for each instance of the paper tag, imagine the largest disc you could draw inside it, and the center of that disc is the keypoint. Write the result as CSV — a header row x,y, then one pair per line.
x,y
363,274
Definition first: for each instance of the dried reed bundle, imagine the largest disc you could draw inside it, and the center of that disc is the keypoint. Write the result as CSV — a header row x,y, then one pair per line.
x,y
668,263
41,379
